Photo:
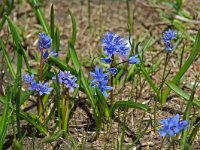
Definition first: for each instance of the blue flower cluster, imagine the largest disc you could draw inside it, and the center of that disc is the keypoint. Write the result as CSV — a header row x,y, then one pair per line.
x,y
39,87
113,44
172,126
68,79
44,45
100,80
168,36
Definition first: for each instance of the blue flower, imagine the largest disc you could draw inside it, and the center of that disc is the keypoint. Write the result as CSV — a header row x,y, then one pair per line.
x,y
100,80
71,84
45,54
28,78
113,71
54,53
168,36
134,59
98,75
113,44
102,86
68,79
34,86
107,60
172,126
44,42
44,88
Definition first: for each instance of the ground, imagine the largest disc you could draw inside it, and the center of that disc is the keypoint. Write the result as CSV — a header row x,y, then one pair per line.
x,y
111,16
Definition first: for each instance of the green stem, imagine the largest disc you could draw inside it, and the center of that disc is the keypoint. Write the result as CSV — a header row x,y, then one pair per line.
x,y
163,76
66,112
40,104
111,83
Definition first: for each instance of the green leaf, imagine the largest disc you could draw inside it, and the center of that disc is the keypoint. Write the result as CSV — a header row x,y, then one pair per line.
x,y
40,16
148,78
57,39
194,133
128,104
103,106
183,94
53,137
9,9
7,59
17,145
32,119
52,22
4,118
17,39
179,3
73,37
62,65
74,57
187,116
194,53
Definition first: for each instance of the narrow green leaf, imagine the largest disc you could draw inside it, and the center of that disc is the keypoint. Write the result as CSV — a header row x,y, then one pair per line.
x,y
17,145
74,27
9,9
4,118
53,137
62,65
73,37
187,64
183,94
103,104
194,133
179,3
74,57
8,59
57,39
32,119
187,116
52,22
40,16
148,78
17,39
128,104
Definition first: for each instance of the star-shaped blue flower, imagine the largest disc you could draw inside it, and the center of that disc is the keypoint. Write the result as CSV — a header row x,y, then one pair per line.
x,y
172,126
44,88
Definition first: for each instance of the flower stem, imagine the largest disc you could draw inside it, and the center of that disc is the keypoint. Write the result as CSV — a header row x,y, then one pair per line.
x,y
40,105
164,73
111,83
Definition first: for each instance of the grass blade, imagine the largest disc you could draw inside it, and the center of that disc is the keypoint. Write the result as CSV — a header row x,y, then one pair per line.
x,y
7,59
52,22
183,94
4,118
128,104
73,37
40,16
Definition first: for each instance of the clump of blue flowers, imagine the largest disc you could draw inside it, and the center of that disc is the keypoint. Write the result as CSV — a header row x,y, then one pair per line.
x,y
38,87
68,79
172,126
44,45
168,36
100,80
113,44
